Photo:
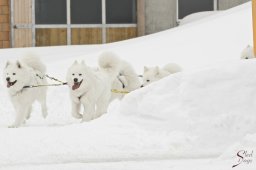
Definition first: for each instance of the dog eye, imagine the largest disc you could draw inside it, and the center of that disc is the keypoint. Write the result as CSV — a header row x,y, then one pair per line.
x,y
73,74
14,74
80,74
148,80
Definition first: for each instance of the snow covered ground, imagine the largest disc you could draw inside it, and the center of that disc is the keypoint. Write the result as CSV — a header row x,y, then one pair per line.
x,y
197,119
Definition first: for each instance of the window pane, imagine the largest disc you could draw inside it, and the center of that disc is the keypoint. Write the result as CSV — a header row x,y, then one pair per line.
x,y
51,11
121,11
187,7
86,11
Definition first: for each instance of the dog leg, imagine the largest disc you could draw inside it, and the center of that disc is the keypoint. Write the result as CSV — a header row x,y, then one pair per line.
x,y
29,112
89,109
20,117
42,101
102,106
44,109
76,110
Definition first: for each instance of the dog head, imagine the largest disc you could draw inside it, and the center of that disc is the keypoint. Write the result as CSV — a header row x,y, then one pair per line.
x,y
247,53
150,75
77,75
15,76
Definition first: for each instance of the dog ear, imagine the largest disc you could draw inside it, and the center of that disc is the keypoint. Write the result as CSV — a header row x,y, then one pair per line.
x,y
7,64
83,62
18,64
75,62
145,69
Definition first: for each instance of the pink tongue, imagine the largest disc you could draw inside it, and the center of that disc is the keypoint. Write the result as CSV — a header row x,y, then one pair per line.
x,y
8,85
75,86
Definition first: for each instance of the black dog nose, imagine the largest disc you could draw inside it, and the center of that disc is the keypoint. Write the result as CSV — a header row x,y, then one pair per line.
x,y
8,79
75,80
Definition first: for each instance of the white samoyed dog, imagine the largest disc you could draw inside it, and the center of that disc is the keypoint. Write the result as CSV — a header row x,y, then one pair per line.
x,y
127,81
29,70
247,53
92,88
152,74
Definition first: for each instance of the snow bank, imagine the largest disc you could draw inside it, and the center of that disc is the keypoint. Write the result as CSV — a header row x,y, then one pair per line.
x,y
212,107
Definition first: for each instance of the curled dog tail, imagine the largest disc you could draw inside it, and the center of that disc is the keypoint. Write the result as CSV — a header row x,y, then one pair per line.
x,y
110,64
172,68
32,60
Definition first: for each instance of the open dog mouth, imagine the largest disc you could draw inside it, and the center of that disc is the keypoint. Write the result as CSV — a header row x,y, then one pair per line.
x,y
76,85
9,84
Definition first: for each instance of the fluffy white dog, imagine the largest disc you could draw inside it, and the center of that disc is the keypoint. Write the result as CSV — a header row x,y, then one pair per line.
x,y
247,53
29,70
152,74
91,88
127,81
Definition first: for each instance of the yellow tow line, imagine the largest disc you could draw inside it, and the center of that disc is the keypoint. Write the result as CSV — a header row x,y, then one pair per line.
x,y
119,91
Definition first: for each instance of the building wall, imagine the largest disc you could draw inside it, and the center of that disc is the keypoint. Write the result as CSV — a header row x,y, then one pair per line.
x,y
162,14
159,15
226,4
4,24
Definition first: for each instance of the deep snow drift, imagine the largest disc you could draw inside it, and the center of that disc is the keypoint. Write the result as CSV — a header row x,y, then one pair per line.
x,y
206,111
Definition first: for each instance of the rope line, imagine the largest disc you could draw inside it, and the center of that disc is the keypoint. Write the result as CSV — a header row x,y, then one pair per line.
x,y
61,83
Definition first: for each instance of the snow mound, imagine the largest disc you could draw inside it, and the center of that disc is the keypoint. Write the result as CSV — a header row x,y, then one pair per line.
x,y
212,107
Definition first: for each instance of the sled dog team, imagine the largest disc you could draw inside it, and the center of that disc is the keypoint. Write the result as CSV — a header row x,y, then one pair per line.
x,y
88,87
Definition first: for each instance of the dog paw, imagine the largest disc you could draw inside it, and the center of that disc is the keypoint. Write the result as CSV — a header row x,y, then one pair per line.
x,y
96,116
13,126
77,116
87,118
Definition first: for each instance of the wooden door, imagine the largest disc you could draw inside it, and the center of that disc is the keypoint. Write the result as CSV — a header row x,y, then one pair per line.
x,y
21,18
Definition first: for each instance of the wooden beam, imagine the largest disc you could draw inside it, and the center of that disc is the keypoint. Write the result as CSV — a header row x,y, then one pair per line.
x,y
141,17
254,25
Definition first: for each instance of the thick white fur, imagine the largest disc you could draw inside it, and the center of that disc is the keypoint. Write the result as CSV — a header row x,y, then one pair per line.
x,y
152,74
247,53
25,71
94,92
127,80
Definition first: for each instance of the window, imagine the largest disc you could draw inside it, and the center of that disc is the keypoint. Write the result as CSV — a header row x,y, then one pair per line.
x,y
121,11
83,21
51,11
86,11
186,7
